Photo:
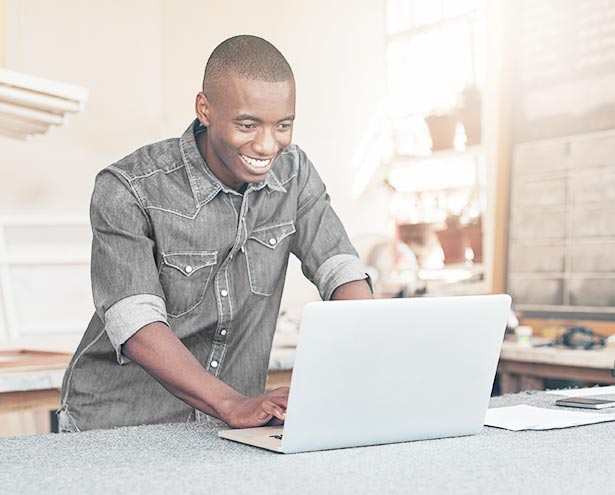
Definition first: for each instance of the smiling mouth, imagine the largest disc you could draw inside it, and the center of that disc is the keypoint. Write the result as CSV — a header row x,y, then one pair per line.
x,y
254,163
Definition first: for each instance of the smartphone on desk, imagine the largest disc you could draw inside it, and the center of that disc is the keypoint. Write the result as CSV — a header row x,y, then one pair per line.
x,y
585,402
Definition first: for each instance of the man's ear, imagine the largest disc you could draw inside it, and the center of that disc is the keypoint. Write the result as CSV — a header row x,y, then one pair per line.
x,y
202,107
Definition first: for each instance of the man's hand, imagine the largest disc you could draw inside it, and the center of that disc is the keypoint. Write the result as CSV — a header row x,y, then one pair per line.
x,y
246,412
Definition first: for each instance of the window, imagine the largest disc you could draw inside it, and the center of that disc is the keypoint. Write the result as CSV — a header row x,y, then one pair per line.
x,y
435,72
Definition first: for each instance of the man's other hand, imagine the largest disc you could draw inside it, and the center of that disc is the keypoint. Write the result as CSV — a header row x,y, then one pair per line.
x,y
267,409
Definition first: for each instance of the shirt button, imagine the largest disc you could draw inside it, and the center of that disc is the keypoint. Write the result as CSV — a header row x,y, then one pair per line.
x,y
188,269
224,293
272,241
223,332
214,364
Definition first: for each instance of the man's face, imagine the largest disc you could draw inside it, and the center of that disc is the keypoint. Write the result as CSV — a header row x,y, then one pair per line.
x,y
248,123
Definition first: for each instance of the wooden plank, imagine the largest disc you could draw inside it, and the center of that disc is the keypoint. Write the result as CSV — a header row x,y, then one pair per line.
x,y
278,378
19,423
28,360
540,370
47,400
557,355
499,145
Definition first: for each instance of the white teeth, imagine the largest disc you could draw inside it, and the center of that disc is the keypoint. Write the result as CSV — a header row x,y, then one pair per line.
x,y
256,163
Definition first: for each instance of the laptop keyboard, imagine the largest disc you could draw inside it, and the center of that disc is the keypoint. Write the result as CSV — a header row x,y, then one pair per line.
x,y
279,437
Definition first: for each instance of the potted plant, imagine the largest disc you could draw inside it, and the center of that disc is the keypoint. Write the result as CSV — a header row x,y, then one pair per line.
x,y
420,237
451,240
459,234
469,113
473,235
442,130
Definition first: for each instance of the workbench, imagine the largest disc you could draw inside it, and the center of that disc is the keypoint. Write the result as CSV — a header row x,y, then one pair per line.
x,y
526,368
28,387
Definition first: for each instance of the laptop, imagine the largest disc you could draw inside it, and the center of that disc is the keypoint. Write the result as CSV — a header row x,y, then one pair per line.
x,y
380,371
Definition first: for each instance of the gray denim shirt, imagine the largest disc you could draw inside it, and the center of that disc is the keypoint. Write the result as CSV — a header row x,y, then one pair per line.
x,y
172,244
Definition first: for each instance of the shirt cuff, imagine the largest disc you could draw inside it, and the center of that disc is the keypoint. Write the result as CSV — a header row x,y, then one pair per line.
x,y
127,316
339,270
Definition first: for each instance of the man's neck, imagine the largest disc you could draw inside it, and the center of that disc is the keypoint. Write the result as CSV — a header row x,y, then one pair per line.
x,y
201,144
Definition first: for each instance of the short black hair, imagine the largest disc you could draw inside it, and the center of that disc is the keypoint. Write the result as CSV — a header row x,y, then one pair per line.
x,y
248,57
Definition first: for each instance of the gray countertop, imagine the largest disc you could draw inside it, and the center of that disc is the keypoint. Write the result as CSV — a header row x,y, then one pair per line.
x,y
190,458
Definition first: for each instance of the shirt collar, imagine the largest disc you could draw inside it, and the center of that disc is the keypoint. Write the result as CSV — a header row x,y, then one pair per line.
x,y
204,184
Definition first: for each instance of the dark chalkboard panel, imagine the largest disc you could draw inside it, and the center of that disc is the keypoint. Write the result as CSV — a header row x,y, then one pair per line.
x,y
561,256
564,68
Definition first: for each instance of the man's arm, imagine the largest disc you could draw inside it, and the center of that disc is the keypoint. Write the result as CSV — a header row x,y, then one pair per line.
x,y
328,258
159,352
358,289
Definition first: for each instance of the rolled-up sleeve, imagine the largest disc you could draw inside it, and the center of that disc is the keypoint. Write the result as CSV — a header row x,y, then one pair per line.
x,y
327,256
127,316
125,284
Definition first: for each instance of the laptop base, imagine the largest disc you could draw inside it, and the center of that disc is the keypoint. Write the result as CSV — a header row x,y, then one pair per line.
x,y
263,436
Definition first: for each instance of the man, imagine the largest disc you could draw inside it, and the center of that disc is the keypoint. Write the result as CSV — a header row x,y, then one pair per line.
x,y
191,239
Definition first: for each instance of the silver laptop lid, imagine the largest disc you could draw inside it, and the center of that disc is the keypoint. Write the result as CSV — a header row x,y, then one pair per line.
x,y
389,370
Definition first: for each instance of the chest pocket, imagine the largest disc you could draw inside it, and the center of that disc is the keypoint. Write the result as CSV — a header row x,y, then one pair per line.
x,y
267,250
184,276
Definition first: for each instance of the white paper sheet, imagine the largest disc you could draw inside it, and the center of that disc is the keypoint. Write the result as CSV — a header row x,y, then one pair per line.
x,y
524,417
584,392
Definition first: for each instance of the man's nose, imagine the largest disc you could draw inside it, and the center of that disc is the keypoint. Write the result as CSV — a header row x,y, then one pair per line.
x,y
265,143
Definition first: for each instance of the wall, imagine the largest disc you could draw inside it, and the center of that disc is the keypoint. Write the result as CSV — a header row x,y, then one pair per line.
x,y
142,62
114,51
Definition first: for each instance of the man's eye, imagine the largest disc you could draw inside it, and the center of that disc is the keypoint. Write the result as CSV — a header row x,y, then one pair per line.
x,y
247,126
284,126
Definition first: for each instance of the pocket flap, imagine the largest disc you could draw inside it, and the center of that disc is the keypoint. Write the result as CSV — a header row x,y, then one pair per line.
x,y
189,262
271,236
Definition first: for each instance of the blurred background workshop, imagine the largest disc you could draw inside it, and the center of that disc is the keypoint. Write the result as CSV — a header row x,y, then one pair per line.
x,y
468,146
